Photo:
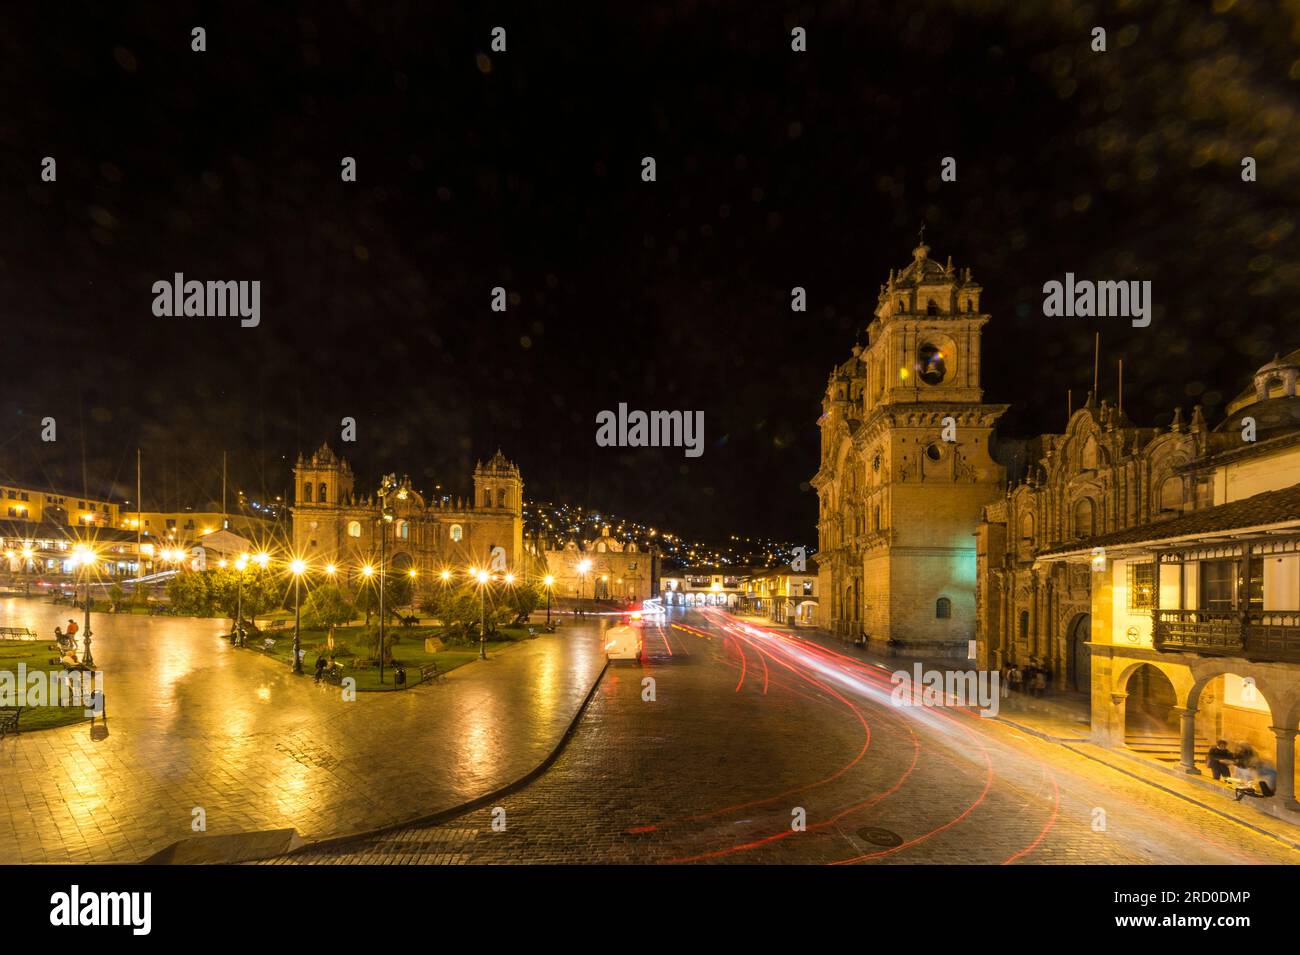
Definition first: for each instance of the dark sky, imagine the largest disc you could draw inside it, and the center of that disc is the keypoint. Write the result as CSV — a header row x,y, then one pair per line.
x,y
775,169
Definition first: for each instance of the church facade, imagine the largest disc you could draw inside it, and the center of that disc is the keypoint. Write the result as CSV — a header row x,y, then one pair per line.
x,y
333,522
906,467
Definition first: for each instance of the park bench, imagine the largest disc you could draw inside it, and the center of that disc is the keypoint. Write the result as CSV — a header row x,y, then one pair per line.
x,y
268,643
9,719
16,633
429,671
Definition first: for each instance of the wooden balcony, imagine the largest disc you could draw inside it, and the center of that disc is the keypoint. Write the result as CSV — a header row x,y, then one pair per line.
x,y
1213,632
1265,635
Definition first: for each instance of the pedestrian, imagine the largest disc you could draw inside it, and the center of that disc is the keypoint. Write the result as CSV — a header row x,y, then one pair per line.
x,y
1014,677
1217,760
1004,677
320,667
1040,682
72,628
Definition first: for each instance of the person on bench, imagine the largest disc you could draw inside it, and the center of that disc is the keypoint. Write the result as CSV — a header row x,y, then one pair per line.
x,y
1217,760
1260,774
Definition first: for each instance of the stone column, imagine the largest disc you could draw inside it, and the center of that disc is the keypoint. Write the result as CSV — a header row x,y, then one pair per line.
x,y
1285,767
1188,716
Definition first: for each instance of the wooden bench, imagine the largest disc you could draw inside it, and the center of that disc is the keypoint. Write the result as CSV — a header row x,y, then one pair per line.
x,y
429,672
9,719
16,633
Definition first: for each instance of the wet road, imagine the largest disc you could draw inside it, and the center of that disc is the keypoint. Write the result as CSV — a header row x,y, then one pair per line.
x,y
748,731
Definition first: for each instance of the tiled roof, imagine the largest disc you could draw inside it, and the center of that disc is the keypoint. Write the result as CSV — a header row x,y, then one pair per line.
x,y
1271,507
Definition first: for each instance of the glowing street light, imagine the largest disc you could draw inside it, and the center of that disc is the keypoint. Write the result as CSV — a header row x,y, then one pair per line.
x,y
297,567
549,581
261,558
241,564
482,576
445,575
84,557
584,566
367,571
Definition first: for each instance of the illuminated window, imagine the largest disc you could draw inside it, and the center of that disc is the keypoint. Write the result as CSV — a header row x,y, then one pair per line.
x,y
1141,586
457,532
403,530
354,528
930,364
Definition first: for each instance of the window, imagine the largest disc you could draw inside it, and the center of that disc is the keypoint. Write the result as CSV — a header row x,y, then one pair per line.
x,y
942,609
457,532
403,530
354,528
1171,494
932,307
1024,626
306,493
171,523
1084,525
1218,584
1141,586
501,497
321,498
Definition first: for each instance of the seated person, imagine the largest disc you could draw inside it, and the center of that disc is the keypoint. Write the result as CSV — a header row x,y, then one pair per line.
x,y
1260,774
1217,759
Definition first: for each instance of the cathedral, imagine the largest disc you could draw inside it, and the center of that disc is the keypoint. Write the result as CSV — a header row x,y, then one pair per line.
x,y
906,468
333,522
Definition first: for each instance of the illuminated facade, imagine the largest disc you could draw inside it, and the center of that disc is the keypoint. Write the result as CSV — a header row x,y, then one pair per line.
x,y
332,522
906,468
615,570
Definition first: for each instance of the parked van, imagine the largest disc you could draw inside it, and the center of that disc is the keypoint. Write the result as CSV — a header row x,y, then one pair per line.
x,y
623,643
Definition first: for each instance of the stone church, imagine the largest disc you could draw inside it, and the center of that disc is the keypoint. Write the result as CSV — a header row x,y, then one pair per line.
x,y
334,522
906,467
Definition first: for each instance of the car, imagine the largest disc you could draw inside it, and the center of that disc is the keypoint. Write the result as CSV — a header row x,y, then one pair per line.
x,y
623,643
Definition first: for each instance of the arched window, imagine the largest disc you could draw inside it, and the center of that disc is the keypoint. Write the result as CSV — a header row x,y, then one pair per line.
x,y
1027,527
1024,625
457,532
322,498
306,493
1084,520
931,307
487,498
354,528
1171,494
403,530
501,497
942,609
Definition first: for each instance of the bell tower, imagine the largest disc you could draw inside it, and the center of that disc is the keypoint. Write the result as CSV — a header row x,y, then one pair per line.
x,y
906,468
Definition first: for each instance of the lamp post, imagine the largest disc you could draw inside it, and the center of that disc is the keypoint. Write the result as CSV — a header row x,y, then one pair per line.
x,y
241,564
550,584
28,554
583,567
85,559
297,567
482,577
386,487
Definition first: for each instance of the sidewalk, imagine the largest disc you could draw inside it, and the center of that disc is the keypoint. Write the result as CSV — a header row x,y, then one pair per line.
x,y
1064,719
196,727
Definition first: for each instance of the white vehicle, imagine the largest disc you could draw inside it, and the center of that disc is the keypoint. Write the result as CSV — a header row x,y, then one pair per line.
x,y
623,643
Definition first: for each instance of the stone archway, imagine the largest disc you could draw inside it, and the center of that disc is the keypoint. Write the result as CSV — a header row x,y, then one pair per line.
x,y
1151,713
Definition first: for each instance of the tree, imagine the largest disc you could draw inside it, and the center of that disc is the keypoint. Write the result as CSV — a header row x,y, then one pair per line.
x,y
326,607
115,595
262,591
525,598
190,594
367,597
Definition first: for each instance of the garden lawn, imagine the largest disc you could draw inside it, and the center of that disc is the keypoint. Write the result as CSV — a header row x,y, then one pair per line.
x,y
37,655
408,652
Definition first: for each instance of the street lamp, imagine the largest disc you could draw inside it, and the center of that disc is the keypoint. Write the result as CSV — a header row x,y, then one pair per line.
x,y
28,554
241,564
386,487
482,577
297,567
85,558
583,567
549,580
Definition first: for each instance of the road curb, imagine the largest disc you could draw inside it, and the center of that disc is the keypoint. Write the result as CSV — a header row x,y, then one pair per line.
x,y
478,802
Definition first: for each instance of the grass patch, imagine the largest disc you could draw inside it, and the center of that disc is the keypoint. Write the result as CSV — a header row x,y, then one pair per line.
x,y
37,655
409,652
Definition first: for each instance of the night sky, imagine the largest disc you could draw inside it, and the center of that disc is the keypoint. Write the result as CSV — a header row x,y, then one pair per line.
x,y
522,169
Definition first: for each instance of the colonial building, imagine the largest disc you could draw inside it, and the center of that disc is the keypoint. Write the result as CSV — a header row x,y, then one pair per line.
x,y
1103,474
783,594
701,587
335,522
1195,631
603,569
906,467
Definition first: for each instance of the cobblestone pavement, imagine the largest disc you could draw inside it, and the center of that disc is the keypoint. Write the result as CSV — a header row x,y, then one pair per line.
x,y
194,723
747,728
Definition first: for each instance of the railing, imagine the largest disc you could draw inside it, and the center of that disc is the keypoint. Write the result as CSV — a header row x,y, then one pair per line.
x,y
1270,635
1219,632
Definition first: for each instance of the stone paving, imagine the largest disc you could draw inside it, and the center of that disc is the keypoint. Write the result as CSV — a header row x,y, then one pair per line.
x,y
735,742
194,723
